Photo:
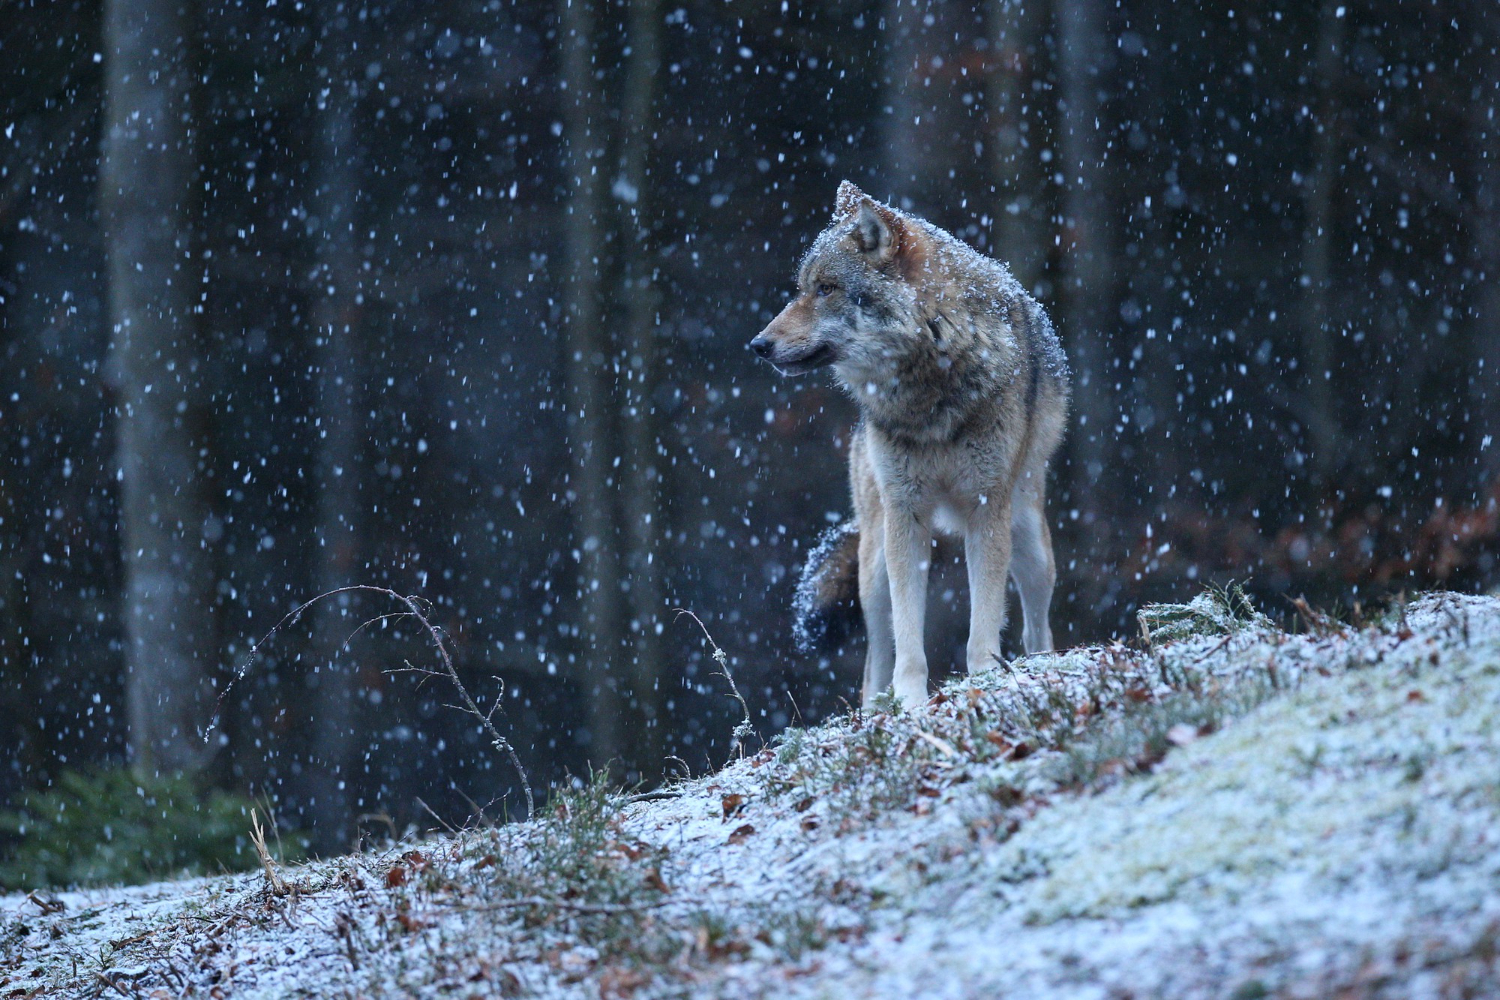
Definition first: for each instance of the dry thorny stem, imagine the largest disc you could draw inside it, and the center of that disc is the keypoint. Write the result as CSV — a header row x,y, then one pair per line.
x,y
414,609
745,728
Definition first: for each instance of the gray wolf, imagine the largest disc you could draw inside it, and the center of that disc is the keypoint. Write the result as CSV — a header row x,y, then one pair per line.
x,y
962,389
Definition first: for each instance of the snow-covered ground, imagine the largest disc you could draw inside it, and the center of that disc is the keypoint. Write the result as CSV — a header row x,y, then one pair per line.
x,y
1230,811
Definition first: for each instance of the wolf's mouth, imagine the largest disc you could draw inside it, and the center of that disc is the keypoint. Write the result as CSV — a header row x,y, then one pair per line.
x,y
818,358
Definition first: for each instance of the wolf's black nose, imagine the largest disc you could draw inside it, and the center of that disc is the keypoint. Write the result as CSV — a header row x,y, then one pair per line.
x,y
762,346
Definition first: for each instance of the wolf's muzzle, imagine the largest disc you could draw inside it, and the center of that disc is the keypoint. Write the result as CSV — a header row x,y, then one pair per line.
x,y
793,363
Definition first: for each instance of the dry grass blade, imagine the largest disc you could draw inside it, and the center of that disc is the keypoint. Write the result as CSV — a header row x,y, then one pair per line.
x,y
274,882
940,744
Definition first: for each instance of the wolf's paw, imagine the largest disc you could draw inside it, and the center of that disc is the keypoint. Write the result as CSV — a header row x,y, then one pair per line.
x,y
911,693
984,660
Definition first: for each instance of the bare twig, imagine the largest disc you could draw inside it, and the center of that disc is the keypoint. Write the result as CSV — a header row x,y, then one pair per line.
x,y
344,927
563,904
122,943
1225,642
655,795
378,619
431,812
168,967
478,810
745,728
414,608
110,983
47,906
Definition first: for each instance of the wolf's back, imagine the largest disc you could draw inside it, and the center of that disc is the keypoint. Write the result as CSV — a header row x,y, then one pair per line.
x,y
826,608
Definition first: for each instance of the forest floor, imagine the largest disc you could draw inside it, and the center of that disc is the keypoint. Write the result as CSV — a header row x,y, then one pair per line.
x,y
1221,810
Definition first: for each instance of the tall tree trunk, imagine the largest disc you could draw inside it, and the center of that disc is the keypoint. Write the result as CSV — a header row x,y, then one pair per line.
x,y
1317,242
1484,380
639,501
907,107
1086,295
589,394
146,197
1022,227
338,430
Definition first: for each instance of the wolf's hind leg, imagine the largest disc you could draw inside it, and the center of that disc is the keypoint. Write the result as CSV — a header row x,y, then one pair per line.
x,y
1031,565
875,600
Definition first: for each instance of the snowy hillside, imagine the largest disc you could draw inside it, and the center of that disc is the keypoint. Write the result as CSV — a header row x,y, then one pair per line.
x,y
1228,811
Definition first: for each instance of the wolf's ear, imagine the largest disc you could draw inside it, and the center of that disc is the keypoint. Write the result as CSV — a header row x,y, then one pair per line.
x,y
877,231
847,200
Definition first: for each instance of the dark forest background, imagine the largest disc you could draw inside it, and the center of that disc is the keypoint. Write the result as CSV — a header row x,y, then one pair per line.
x,y
453,298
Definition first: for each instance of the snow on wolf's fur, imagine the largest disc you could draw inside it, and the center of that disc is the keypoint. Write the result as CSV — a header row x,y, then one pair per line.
x,y
825,609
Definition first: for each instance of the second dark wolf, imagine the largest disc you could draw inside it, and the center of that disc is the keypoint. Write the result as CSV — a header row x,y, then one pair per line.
x,y
962,389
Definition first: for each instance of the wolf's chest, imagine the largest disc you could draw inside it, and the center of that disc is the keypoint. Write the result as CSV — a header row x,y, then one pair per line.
x,y
950,517
945,485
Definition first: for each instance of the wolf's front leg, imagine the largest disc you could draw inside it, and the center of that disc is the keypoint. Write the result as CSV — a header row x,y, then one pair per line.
x,y
908,556
875,600
987,553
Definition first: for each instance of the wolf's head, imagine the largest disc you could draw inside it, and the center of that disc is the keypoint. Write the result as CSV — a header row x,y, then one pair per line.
x,y
854,306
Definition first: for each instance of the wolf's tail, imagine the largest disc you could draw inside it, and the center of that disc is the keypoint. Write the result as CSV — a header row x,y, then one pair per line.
x,y
826,609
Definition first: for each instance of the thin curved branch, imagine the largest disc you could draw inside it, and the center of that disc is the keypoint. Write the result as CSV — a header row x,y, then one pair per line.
x,y
418,608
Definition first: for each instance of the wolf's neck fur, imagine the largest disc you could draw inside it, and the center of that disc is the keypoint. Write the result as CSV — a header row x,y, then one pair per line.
x,y
946,384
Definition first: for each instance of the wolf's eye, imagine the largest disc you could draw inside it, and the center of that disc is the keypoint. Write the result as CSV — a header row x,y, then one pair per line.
x,y
826,288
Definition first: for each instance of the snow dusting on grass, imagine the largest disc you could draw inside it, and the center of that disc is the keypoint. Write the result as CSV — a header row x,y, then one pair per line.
x,y
1227,811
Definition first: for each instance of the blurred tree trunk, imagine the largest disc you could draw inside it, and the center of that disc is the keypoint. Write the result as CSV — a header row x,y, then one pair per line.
x,y
1152,386
639,501
1086,294
1317,242
147,179
338,429
1022,226
1484,378
589,391
906,170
